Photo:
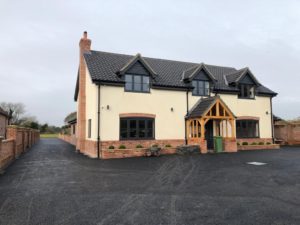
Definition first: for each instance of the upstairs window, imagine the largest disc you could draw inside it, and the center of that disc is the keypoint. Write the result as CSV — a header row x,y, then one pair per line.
x,y
246,91
137,83
247,129
136,128
201,88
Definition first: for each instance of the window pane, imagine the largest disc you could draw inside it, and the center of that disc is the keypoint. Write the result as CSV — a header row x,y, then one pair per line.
x,y
142,128
90,128
206,88
123,128
195,90
132,126
128,82
123,124
201,84
146,80
146,87
137,83
137,87
128,78
150,129
123,133
128,86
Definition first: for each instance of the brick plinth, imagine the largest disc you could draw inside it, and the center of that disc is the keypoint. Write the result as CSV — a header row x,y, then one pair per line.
x,y
144,143
203,145
258,147
229,145
256,140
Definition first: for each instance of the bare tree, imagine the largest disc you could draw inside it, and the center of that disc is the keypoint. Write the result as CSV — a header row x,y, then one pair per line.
x,y
16,110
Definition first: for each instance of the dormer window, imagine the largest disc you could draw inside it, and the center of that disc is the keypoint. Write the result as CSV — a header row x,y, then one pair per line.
x,y
246,91
201,88
137,83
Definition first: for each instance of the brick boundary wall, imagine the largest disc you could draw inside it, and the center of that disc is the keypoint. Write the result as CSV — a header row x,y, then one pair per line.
x,y
288,133
18,141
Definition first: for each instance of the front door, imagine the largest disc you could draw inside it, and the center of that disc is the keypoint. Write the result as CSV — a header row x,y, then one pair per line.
x,y
209,134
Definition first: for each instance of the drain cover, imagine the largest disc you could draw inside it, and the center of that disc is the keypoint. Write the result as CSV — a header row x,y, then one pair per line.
x,y
256,163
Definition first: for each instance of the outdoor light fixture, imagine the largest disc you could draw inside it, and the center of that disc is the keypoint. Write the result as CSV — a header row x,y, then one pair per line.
x,y
107,107
267,113
172,109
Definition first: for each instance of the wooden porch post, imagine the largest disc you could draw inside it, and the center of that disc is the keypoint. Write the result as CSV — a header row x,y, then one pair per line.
x,y
232,128
226,128
188,128
202,128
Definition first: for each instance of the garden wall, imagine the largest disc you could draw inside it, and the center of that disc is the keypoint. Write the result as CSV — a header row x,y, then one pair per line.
x,y
18,141
287,133
71,139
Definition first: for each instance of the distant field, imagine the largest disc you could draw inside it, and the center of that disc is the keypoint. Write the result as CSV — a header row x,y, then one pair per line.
x,y
49,135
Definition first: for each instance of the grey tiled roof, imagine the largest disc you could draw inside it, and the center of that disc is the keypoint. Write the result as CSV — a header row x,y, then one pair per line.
x,y
201,106
71,118
104,67
233,77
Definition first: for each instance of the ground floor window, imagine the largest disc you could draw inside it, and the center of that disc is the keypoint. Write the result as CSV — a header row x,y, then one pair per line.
x,y
89,128
136,128
247,129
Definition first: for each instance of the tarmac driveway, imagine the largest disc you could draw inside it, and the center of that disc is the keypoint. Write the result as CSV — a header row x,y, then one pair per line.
x,y
51,184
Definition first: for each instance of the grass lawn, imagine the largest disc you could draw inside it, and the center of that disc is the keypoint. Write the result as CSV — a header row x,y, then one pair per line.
x,y
49,135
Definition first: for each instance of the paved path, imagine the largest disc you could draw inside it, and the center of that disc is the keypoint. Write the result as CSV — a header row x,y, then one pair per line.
x,y
51,184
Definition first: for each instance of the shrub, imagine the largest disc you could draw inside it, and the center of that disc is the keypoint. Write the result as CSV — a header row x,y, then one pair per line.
x,y
168,146
122,147
261,143
268,143
111,147
245,143
238,144
155,145
139,146
254,143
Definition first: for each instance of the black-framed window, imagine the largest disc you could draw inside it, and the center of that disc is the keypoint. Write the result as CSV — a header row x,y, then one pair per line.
x,y
136,128
201,87
247,129
137,83
246,91
89,128
74,128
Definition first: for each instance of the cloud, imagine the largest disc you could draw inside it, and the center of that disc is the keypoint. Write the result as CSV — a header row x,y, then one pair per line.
x,y
39,44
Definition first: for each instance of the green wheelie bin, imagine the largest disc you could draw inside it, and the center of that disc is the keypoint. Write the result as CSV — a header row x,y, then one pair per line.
x,y
218,142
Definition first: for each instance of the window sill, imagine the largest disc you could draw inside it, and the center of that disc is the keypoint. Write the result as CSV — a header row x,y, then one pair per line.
x,y
246,98
142,92
136,139
201,95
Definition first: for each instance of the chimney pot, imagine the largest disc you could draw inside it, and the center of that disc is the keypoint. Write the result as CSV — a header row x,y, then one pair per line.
x,y
85,35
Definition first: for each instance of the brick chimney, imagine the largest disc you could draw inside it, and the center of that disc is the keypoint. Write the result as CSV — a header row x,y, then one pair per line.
x,y
84,46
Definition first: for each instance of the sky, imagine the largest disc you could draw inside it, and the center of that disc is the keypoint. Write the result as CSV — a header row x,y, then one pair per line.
x,y
39,52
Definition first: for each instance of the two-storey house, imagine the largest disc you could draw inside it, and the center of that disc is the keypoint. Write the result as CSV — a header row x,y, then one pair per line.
x,y
134,100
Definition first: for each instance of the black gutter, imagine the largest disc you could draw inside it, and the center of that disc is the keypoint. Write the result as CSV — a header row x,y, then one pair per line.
x,y
272,120
187,112
98,127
